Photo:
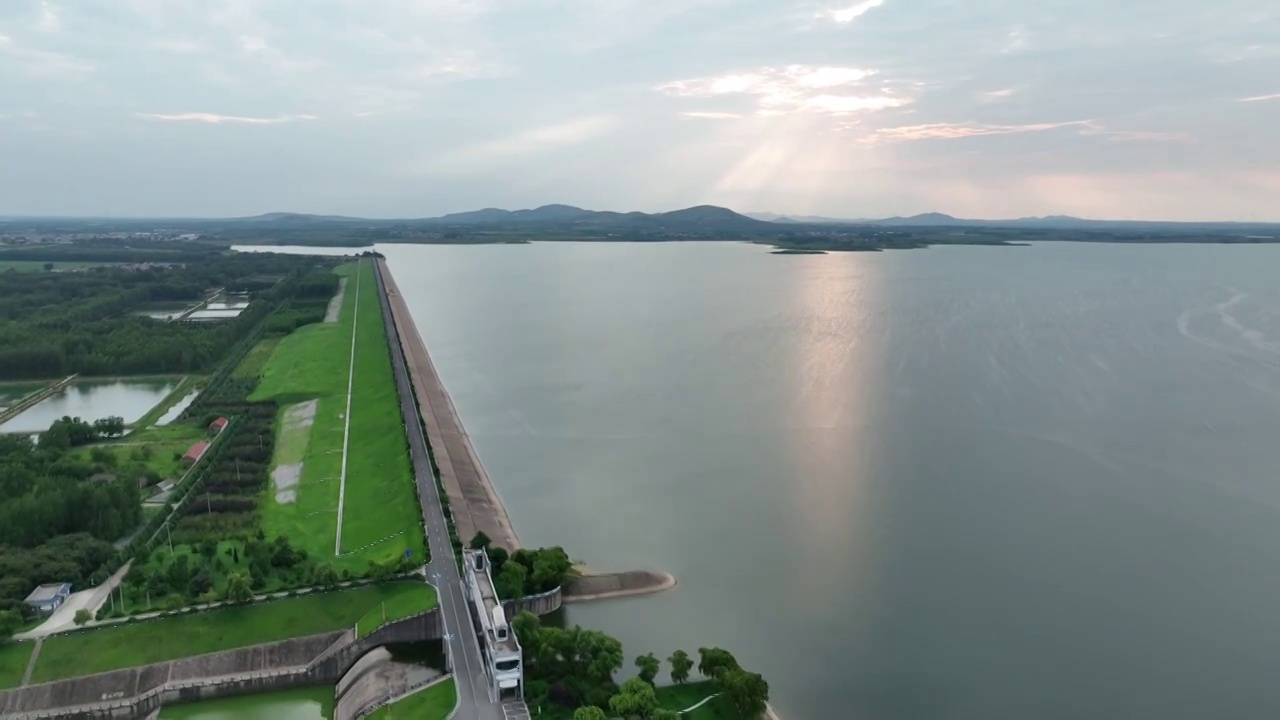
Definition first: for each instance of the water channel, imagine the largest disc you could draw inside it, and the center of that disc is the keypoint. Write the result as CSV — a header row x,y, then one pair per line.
x,y
313,703
982,482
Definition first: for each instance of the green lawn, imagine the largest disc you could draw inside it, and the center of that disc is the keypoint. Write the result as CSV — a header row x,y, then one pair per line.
x,y
396,606
434,703
148,641
13,662
137,454
175,431
256,360
313,363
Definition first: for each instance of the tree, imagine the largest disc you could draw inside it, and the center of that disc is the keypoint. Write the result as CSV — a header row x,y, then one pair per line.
x,y
10,621
497,558
714,661
680,667
324,575
511,581
635,697
201,583
748,691
661,714
649,667
590,712
239,586
82,616
208,548
479,541
48,267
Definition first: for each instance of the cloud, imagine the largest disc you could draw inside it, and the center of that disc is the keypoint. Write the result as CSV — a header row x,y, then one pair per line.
x,y
711,115
1092,127
524,143
1260,98
50,20
213,119
954,131
853,12
43,64
996,95
794,88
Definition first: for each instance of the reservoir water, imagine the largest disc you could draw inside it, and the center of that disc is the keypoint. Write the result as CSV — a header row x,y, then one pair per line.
x,y
988,483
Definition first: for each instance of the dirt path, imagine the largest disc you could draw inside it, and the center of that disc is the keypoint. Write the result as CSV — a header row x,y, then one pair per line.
x,y
335,305
31,663
291,447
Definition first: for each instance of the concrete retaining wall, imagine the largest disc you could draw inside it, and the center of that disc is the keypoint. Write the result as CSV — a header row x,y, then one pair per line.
x,y
313,660
125,693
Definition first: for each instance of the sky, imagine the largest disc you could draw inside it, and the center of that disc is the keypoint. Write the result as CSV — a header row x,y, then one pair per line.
x,y
1140,109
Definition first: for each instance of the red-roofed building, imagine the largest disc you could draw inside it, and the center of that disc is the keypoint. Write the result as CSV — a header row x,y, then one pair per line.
x,y
217,425
194,452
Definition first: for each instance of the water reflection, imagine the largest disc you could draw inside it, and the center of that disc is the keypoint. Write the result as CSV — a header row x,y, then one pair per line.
x,y
830,376
91,400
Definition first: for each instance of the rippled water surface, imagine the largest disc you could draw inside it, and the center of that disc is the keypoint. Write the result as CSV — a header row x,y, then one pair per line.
x,y
979,483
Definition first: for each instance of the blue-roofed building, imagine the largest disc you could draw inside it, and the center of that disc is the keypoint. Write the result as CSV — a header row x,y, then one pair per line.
x,y
47,598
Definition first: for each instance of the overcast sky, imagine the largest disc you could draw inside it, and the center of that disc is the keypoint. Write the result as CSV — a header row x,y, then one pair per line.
x,y
1163,109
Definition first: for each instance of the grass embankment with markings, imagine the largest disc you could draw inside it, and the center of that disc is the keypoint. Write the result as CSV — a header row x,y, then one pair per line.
x,y
168,638
433,703
381,518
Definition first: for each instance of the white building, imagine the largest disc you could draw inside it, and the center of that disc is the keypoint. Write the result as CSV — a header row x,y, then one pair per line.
x,y
498,643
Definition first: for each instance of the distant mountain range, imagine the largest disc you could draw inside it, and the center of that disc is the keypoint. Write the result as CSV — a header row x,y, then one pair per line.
x,y
707,221
1048,222
699,221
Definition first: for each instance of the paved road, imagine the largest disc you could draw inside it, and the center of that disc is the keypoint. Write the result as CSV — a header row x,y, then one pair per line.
x,y
462,645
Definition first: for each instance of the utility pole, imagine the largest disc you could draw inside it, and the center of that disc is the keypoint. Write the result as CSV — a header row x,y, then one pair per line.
x,y
170,534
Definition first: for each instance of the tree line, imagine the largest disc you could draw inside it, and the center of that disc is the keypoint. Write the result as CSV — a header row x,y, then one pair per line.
x,y
55,324
572,669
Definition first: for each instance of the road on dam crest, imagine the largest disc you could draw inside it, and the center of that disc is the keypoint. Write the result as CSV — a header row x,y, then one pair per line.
x,y
461,644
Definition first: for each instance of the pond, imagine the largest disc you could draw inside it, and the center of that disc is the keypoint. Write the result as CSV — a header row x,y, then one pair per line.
x,y
11,394
162,311
215,311
302,250
94,399
172,413
313,703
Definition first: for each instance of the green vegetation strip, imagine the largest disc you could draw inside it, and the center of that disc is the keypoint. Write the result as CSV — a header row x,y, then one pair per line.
x,y
149,641
39,265
256,361
381,518
13,662
434,703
